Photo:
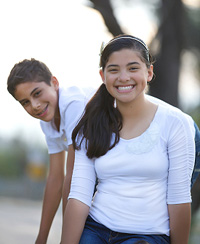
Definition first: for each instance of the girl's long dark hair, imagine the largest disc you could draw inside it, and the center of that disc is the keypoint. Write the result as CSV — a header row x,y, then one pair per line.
x,y
100,120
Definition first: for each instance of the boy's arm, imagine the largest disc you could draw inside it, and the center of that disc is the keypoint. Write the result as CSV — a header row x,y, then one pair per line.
x,y
179,219
68,177
52,195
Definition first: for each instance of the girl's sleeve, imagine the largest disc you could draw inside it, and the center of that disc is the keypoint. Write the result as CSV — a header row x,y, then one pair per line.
x,y
83,178
181,153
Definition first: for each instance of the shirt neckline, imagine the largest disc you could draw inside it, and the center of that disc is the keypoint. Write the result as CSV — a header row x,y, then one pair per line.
x,y
147,130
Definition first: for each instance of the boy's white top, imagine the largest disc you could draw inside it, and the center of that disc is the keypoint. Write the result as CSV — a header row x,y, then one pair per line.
x,y
139,177
72,101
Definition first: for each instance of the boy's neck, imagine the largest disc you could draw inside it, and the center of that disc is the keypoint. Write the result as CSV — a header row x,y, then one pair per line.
x,y
57,119
57,123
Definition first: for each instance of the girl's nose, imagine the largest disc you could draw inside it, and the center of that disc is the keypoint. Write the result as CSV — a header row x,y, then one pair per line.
x,y
124,76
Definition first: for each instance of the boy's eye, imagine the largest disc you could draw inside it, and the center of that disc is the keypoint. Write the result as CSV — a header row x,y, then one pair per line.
x,y
24,103
112,70
37,93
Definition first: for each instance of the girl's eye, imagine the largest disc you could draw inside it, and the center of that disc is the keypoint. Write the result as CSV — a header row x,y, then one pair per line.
x,y
133,68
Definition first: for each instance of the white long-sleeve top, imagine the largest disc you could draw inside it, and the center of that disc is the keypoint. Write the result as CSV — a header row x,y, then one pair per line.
x,y
139,177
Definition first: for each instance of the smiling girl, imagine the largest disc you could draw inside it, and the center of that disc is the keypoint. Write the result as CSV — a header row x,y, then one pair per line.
x,y
141,153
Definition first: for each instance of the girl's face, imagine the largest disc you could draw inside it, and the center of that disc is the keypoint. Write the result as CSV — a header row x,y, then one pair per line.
x,y
126,75
39,99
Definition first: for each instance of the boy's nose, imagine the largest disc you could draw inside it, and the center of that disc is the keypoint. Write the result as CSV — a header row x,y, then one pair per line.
x,y
35,104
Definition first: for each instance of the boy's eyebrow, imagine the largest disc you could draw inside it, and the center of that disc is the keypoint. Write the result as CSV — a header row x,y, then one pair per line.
x,y
34,90
112,65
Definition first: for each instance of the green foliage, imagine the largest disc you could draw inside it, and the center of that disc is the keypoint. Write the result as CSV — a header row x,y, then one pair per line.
x,y
13,157
9,166
16,155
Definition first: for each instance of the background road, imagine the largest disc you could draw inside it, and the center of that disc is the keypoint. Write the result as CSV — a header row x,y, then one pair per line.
x,y
19,222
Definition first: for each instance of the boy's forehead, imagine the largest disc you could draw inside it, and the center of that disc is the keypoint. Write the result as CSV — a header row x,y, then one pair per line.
x,y
28,87
30,83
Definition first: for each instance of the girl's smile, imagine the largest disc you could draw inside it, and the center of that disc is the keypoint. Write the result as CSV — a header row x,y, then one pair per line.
x,y
124,89
126,75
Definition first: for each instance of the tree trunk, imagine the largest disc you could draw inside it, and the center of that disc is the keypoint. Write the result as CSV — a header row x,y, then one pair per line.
x,y
105,8
167,66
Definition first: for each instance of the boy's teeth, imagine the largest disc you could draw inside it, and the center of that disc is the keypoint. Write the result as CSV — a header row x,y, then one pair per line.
x,y
42,111
124,88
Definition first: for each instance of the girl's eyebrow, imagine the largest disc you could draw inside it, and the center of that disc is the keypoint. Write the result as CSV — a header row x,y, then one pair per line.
x,y
131,63
115,65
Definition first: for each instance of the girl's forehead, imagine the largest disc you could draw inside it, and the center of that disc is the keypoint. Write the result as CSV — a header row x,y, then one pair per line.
x,y
124,55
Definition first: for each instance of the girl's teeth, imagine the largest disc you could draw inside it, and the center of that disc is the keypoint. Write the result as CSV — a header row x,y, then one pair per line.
x,y
122,88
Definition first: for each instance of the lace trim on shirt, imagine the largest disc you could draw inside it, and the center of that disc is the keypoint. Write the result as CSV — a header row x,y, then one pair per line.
x,y
146,142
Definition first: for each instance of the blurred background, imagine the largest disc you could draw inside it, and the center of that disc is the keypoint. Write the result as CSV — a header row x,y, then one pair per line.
x,y
67,36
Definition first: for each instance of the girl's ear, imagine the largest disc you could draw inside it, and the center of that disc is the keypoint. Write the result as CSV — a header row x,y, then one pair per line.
x,y
150,73
55,82
102,75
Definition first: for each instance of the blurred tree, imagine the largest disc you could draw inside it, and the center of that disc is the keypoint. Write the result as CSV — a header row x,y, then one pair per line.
x,y
178,30
171,42
106,10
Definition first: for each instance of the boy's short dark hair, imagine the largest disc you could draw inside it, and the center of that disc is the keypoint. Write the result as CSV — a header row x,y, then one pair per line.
x,y
28,70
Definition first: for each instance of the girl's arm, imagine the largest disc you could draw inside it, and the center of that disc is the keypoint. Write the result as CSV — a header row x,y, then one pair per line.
x,y
180,219
80,198
181,153
75,216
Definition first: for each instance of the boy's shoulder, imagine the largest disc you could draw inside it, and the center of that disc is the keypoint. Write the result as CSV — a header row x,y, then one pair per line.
x,y
68,95
72,94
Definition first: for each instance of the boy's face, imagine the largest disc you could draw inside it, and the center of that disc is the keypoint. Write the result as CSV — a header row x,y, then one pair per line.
x,y
39,99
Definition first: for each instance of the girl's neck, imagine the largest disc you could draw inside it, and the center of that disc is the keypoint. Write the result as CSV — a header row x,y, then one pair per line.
x,y
133,109
136,118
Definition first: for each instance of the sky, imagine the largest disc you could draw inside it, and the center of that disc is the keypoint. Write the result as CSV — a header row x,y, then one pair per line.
x,y
64,34
58,33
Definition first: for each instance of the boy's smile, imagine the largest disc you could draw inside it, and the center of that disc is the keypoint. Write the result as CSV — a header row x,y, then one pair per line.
x,y
39,99
44,112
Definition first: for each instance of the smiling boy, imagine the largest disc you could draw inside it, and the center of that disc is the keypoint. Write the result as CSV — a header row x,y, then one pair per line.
x,y
32,84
